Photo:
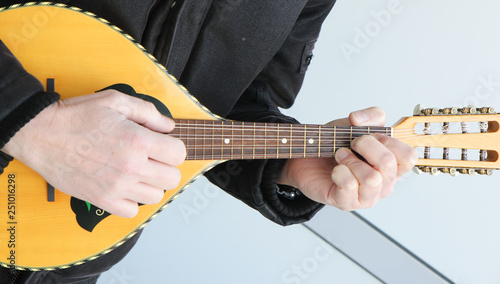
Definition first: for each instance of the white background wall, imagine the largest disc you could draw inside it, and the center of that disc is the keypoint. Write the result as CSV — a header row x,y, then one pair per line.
x,y
431,52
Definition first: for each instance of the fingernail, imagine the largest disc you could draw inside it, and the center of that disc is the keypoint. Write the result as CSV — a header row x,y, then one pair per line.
x,y
360,116
341,154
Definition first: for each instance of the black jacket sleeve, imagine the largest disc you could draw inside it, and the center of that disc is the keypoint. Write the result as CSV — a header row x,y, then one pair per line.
x,y
21,98
254,182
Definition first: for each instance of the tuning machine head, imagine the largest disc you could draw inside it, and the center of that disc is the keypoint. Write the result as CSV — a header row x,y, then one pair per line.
x,y
420,110
452,171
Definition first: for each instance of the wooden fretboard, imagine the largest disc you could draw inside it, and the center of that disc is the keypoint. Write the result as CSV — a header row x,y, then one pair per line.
x,y
233,140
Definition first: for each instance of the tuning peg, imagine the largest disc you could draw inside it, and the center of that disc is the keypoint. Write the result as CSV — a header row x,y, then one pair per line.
x,y
468,110
430,111
485,172
467,171
446,110
449,110
453,172
445,170
487,110
434,171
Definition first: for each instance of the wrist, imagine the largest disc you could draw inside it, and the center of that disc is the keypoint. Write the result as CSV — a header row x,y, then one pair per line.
x,y
19,117
26,136
284,177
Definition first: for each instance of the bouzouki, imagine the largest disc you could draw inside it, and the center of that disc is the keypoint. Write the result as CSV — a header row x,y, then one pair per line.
x,y
42,228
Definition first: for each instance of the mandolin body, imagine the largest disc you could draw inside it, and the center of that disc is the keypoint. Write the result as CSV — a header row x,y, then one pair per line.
x,y
83,54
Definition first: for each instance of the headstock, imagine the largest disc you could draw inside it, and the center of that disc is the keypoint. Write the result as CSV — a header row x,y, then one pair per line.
x,y
453,140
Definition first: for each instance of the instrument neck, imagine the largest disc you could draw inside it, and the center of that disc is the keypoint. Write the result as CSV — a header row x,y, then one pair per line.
x,y
233,140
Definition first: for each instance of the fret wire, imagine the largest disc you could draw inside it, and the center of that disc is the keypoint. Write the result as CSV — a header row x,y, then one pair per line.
x,y
278,143
203,152
334,139
291,140
213,139
232,139
196,140
253,152
305,139
319,143
265,141
242,135
187,140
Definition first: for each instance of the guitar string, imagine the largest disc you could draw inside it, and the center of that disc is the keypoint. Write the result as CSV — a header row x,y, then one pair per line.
x,y
324,131
323,137
294,127
294,130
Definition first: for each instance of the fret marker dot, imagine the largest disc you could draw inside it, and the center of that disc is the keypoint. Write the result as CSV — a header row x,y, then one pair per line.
x,y
284,141
311,141
227,141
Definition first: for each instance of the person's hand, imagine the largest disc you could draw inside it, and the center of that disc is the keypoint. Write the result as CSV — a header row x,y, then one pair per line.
x,y
347,182
106,148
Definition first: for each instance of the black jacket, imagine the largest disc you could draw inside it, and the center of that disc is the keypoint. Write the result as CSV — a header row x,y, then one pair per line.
x,y
242,59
